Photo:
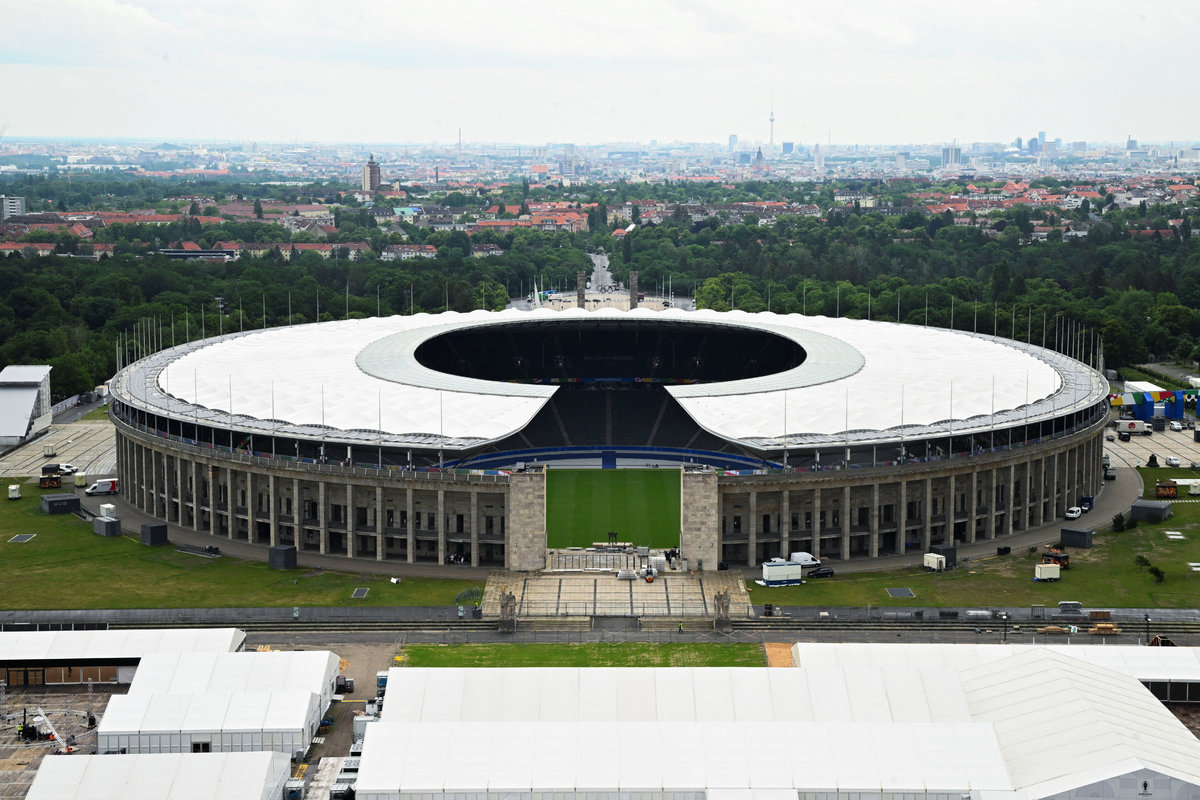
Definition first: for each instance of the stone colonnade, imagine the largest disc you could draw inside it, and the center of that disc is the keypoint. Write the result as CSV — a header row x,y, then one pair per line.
x,y
389,515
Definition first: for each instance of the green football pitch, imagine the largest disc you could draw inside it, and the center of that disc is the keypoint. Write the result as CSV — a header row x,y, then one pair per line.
x,y
639,505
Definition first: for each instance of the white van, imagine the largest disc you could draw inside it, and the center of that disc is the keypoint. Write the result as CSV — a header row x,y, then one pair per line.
x,y
805,559
102,486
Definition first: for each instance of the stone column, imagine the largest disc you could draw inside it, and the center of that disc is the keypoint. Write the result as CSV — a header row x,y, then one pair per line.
x,y
380,536
902,517
411,532
973,507
752,530
230,502
441,526
211,477
992,505
297,516
323,517
927,528
474,528
785,523
816,524
197,471
273,509
873,516
845,522
952,511
141,469
251,508
1055,509
180,491
1008,517
351,518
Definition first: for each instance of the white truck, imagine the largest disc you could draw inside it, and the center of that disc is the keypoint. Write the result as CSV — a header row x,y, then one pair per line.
x,y
1134,427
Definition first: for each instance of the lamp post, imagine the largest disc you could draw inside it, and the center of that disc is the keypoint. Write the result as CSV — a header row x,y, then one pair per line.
x,y
1004,619
1147,620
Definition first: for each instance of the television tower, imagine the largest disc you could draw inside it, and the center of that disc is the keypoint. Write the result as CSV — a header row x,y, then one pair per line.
x,y
771,147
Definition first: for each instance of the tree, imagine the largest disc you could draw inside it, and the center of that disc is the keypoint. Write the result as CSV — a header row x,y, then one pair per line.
x,y
1159,575
194,209
1140,561
258,212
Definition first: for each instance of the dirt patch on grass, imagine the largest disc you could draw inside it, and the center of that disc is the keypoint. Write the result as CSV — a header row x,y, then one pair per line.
x,y
779,654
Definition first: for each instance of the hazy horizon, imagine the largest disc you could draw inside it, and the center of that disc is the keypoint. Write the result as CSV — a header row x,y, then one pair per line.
x,y
870,73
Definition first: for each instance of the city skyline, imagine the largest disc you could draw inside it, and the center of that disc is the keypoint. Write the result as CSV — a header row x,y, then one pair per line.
x,y
875,73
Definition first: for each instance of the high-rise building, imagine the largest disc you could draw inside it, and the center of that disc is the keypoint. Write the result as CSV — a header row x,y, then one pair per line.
x,y
370,175
951,156
732,142
11,206
788,147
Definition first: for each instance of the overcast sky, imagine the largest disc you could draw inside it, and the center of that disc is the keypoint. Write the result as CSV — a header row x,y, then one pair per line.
x,y
368,71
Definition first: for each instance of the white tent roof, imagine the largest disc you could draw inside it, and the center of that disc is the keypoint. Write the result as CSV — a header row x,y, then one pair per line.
x,y
630,756
34,646
1143,663
167,776
645,694
199,673
228,712
1024,725
371,384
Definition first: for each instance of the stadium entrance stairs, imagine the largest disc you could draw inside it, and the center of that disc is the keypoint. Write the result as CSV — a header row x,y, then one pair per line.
x,y
674,595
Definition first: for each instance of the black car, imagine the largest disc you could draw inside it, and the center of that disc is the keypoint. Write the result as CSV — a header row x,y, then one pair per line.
x,y
821,572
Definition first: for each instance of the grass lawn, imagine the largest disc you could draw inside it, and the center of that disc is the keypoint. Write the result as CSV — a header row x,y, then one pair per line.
x,y
96,413
640,505
630,654
1104,576
66,566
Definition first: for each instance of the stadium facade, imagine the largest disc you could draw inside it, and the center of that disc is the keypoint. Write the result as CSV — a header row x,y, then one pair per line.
x,y
427,438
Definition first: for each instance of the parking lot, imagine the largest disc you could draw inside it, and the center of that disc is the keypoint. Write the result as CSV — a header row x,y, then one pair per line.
x,y
1137,451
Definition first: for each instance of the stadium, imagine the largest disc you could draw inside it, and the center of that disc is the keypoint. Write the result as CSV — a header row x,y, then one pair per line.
x,y
495,438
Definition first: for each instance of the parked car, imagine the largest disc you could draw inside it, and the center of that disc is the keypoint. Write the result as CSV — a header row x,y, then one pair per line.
x,y
1074,512
1110,438
821,572
1176,426
67,469
1171,461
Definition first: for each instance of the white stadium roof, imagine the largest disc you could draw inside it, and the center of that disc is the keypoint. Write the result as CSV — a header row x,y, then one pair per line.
x,y
1026,726
358,380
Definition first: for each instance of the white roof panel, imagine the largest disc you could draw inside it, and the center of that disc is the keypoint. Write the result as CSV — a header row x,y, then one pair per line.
x,y
165,776
117,645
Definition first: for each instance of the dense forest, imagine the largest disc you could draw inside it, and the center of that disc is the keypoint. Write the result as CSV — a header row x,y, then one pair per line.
x,y
1133,277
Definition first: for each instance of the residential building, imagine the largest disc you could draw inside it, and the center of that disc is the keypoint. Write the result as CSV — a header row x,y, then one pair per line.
x,y
11,206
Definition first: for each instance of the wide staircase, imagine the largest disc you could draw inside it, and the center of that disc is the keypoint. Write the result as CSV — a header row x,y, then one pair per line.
x,y
674,595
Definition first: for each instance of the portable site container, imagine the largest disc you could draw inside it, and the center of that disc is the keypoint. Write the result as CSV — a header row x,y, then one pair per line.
x,y
1046,572
782,573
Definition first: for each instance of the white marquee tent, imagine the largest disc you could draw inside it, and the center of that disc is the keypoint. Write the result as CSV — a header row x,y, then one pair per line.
x,y
221,702
1035,724
228,776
